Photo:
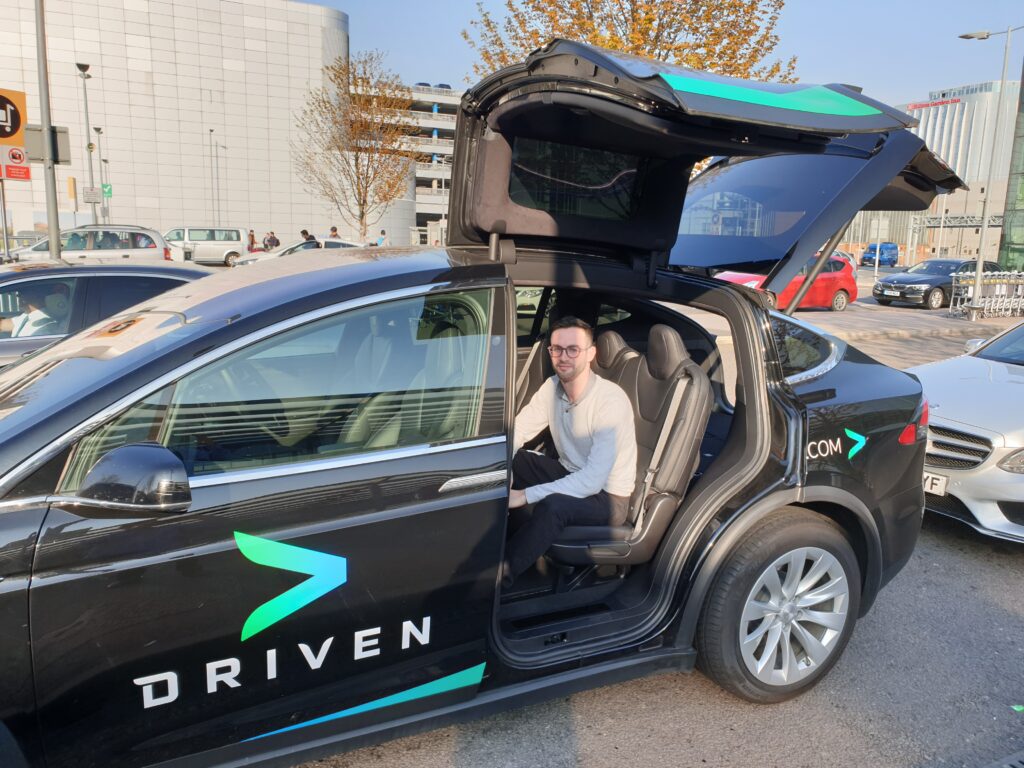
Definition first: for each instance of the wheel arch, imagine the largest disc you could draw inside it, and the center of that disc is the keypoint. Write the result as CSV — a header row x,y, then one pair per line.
x,y
840,506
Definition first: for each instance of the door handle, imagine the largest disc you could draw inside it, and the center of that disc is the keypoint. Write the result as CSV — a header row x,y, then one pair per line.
x,y
474,481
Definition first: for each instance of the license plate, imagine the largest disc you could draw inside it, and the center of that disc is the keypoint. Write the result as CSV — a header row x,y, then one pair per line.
x,y
890,293
935,484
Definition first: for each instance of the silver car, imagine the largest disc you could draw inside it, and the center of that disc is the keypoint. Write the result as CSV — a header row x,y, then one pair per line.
x,y
103,244
974,467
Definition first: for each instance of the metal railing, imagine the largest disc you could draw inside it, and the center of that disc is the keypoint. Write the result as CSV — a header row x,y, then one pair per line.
x,y
437,91
430,140
442,168
1002,295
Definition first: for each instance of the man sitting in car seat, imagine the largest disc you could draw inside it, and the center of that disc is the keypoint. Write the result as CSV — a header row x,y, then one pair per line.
x,y
34,320
591,423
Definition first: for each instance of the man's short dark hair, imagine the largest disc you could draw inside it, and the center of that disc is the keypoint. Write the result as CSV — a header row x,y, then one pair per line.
x,y
569,321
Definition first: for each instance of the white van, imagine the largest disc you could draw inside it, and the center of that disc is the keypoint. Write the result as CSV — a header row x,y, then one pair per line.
x,y
210,245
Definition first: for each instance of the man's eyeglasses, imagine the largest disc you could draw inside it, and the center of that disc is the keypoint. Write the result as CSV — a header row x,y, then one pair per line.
x,y
571,352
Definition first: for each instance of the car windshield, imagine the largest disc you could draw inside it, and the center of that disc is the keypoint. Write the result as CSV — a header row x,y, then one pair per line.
x,y
934,267
1006,349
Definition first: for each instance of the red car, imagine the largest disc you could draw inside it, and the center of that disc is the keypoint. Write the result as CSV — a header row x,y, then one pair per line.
x,y
833,289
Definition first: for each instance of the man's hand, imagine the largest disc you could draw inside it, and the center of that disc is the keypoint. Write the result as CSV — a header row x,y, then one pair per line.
x,y
516,499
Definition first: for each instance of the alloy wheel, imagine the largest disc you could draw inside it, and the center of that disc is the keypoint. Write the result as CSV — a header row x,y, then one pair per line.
x,y
935,298
794,616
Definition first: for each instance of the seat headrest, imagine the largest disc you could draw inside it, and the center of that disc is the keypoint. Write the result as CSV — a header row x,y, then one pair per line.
x,y
609,346
665,351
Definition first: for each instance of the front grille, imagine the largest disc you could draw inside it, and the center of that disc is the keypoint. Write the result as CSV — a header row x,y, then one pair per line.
x,y
953,449
1013,511
948,505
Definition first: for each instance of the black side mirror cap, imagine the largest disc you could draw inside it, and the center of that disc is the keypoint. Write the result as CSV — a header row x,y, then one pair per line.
x,y
140,477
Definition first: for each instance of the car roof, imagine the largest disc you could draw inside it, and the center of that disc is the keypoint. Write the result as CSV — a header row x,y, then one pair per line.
x,y
10,272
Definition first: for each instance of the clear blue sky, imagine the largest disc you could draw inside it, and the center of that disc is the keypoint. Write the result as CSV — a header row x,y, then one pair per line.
x,y
897,50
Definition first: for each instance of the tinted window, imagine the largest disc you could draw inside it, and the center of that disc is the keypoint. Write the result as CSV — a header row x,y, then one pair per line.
x,y
108,240
1006,349
576,181
175,235
118,293
201,235
36,307
413,372
227,235
934,267
799,349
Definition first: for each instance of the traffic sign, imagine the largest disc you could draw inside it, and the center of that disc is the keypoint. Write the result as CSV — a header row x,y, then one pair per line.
x,y
108,190
92,195
18,172
12,118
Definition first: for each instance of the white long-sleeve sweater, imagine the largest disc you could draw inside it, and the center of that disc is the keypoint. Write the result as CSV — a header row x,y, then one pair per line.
x,y
595,438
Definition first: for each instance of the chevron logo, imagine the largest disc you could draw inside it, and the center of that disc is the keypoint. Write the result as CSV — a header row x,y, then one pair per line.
x,y
858,442
326,572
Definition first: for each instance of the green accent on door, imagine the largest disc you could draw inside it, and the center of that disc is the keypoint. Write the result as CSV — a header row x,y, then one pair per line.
x,y
816,99
858,440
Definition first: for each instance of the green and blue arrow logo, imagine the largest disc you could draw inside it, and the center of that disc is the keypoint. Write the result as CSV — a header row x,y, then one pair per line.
x,y
858,442
326,572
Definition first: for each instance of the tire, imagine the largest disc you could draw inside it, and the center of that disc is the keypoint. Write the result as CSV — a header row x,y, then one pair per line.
x,y
935,299
840,301
741,587
884,302
231,259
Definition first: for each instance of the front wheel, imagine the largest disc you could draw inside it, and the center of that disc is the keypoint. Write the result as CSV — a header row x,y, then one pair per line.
x,y
840,301
935,299
231,260
781,608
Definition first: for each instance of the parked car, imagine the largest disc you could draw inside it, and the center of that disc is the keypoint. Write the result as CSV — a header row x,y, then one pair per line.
x,y
301,245
211,245
974,467
849,257
834,288
42,303
890,255
107,243
260,519
929,283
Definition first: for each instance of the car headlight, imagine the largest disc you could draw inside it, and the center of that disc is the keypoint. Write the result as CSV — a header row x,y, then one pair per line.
x,y
918,287
1014,462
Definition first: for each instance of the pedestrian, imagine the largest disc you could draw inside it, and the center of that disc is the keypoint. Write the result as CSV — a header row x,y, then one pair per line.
x,y
306,236
252,241
274,242
383,239
334,233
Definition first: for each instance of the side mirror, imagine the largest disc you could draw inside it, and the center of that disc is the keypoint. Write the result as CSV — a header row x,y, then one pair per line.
x,y
140,478
972,344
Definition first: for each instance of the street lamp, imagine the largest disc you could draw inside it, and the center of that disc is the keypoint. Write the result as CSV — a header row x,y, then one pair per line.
x,y
83,72
975,307
104,209
106,164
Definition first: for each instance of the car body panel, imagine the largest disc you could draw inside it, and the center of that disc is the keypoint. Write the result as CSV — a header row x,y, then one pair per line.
x,y
821,292
889,258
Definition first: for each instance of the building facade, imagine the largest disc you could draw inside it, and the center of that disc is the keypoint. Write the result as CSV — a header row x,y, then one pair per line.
x,y
958,124
196,101
433,113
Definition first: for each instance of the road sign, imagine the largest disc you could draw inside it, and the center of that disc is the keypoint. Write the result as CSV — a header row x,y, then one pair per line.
x,y
108,190
18,172
92,195
12,118
61,144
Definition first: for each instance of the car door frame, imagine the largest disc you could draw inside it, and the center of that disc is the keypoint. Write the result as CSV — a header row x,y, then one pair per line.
x,y
90,313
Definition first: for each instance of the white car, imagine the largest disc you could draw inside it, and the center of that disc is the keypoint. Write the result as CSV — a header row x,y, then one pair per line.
x,y
974,465
301,245
210,245
104,244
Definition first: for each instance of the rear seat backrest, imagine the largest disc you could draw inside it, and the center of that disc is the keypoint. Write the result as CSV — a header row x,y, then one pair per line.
x,y
613,356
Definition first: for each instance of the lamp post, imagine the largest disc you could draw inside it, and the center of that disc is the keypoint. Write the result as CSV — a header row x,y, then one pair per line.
x,y
83,72
104,210
106,164
213,189
975,306
49,176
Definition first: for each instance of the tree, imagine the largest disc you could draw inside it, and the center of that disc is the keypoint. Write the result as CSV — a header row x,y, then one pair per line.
x,y
728,37
353,150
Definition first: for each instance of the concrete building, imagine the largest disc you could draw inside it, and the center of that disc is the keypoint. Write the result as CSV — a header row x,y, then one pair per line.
x,y
433,112
959,125
196,100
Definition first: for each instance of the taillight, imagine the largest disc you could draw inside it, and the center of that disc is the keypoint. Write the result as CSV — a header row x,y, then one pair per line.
x,y
167,253
916,430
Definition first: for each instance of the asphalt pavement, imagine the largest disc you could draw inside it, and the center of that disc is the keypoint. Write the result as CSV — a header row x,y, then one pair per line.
x,y
930,678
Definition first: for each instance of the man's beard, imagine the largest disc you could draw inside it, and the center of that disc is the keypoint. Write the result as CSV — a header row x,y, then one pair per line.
x,y
571,375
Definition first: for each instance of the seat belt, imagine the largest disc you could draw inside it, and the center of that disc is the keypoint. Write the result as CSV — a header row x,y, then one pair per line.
x,y
521,379
659,448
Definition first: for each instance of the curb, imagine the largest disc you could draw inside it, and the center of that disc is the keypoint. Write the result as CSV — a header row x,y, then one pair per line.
x,y
974,332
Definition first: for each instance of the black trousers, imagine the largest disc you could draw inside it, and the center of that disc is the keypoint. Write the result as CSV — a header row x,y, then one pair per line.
x,y
535,528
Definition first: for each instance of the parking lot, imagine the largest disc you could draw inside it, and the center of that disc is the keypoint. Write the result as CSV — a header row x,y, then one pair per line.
x,y
930,677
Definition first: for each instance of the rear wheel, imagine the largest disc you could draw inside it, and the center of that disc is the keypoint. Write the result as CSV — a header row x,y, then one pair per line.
x,y
935,299
840,301
781,609
230,260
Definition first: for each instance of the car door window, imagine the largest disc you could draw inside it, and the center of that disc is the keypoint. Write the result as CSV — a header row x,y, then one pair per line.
x,y
200,235
227,235
175,235
141,240
36,307
418,371
111,240
113,294
800,349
